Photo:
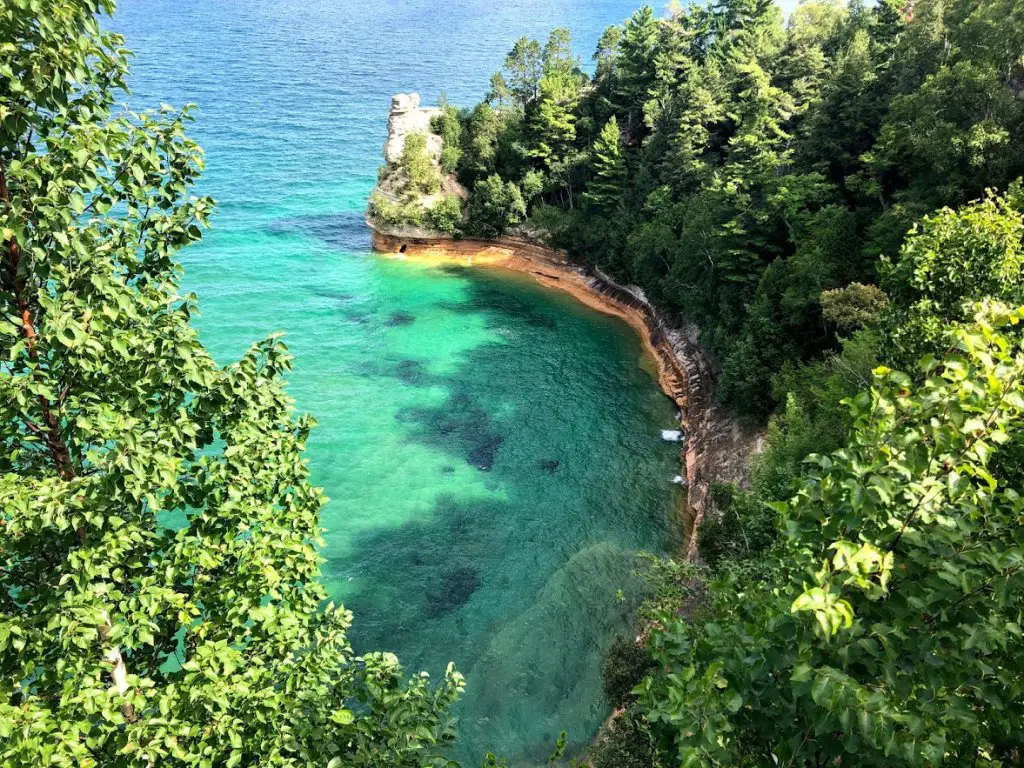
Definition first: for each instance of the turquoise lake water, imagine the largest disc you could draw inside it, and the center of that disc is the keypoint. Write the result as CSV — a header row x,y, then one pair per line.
x,y
491,448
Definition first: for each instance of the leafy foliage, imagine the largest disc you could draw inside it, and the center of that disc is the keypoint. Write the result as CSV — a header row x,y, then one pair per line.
x,y
625,665
495,206
422,177
160,601
952,261
446,215
448,125
900,554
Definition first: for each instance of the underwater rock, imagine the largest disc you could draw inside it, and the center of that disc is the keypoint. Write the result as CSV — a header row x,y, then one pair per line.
x,y
457,586
409,371
483,454
549,465
400,318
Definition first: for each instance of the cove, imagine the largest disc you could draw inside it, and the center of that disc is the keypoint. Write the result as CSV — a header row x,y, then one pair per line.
x,y
491,447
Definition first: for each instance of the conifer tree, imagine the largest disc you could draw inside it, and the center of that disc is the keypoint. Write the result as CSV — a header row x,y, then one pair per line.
x,y
635,68
525,67
604,192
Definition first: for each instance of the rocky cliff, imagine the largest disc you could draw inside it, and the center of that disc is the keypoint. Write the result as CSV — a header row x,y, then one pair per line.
x,y
408,117
399,201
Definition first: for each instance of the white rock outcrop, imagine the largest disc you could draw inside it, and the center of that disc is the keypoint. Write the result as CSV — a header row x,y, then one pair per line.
x,y
407,117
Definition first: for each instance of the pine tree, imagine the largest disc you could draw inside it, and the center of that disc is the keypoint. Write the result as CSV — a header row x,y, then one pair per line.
x,y
635,68
553,124
604,192
499,91
525,67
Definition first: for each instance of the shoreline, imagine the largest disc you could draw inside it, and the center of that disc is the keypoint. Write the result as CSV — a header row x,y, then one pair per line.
x,y
713,439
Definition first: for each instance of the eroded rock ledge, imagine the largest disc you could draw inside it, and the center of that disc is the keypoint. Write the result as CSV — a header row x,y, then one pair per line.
x,y
717,449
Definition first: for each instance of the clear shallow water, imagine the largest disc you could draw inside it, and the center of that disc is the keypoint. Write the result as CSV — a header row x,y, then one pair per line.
x,y
491,447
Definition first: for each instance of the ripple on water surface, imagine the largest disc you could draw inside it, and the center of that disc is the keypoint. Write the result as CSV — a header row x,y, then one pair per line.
x,y
491,448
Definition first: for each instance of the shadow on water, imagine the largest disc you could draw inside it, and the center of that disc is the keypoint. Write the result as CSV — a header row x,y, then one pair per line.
x,y
345,231
461,426
488,295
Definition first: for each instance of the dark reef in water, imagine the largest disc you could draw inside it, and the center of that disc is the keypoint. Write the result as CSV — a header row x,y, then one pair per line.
x,y
460,426
454,591
410,371
400,318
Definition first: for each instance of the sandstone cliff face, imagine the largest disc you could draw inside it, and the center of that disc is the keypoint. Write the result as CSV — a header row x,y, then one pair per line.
x,y
408,117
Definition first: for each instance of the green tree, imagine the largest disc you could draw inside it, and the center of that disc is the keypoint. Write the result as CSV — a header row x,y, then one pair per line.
x,y
448,125
160,601
553,124
605,55
888,628
422,177
525,67
499,91
495,206
446,214
558,53
953,260
635,68
605,190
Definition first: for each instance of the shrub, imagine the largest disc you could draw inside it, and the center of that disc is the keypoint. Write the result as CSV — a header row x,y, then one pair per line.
x,y
743,527
422,176
625,665
625,743
532,184
448,125
495,206
446,215
855,306
393,213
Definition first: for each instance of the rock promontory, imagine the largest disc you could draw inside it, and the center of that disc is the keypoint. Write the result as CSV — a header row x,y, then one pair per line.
x,y
406,118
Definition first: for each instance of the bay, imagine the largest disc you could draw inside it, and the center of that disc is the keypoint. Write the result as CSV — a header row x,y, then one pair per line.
x,y
491,448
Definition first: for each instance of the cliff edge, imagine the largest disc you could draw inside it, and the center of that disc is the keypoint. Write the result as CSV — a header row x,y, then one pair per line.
x,y
408,117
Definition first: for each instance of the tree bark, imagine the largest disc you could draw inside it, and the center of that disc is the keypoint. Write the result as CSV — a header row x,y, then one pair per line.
x,y
55,443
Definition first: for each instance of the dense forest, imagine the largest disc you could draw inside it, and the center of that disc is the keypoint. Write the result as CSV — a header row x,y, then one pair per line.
x,y
833,199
